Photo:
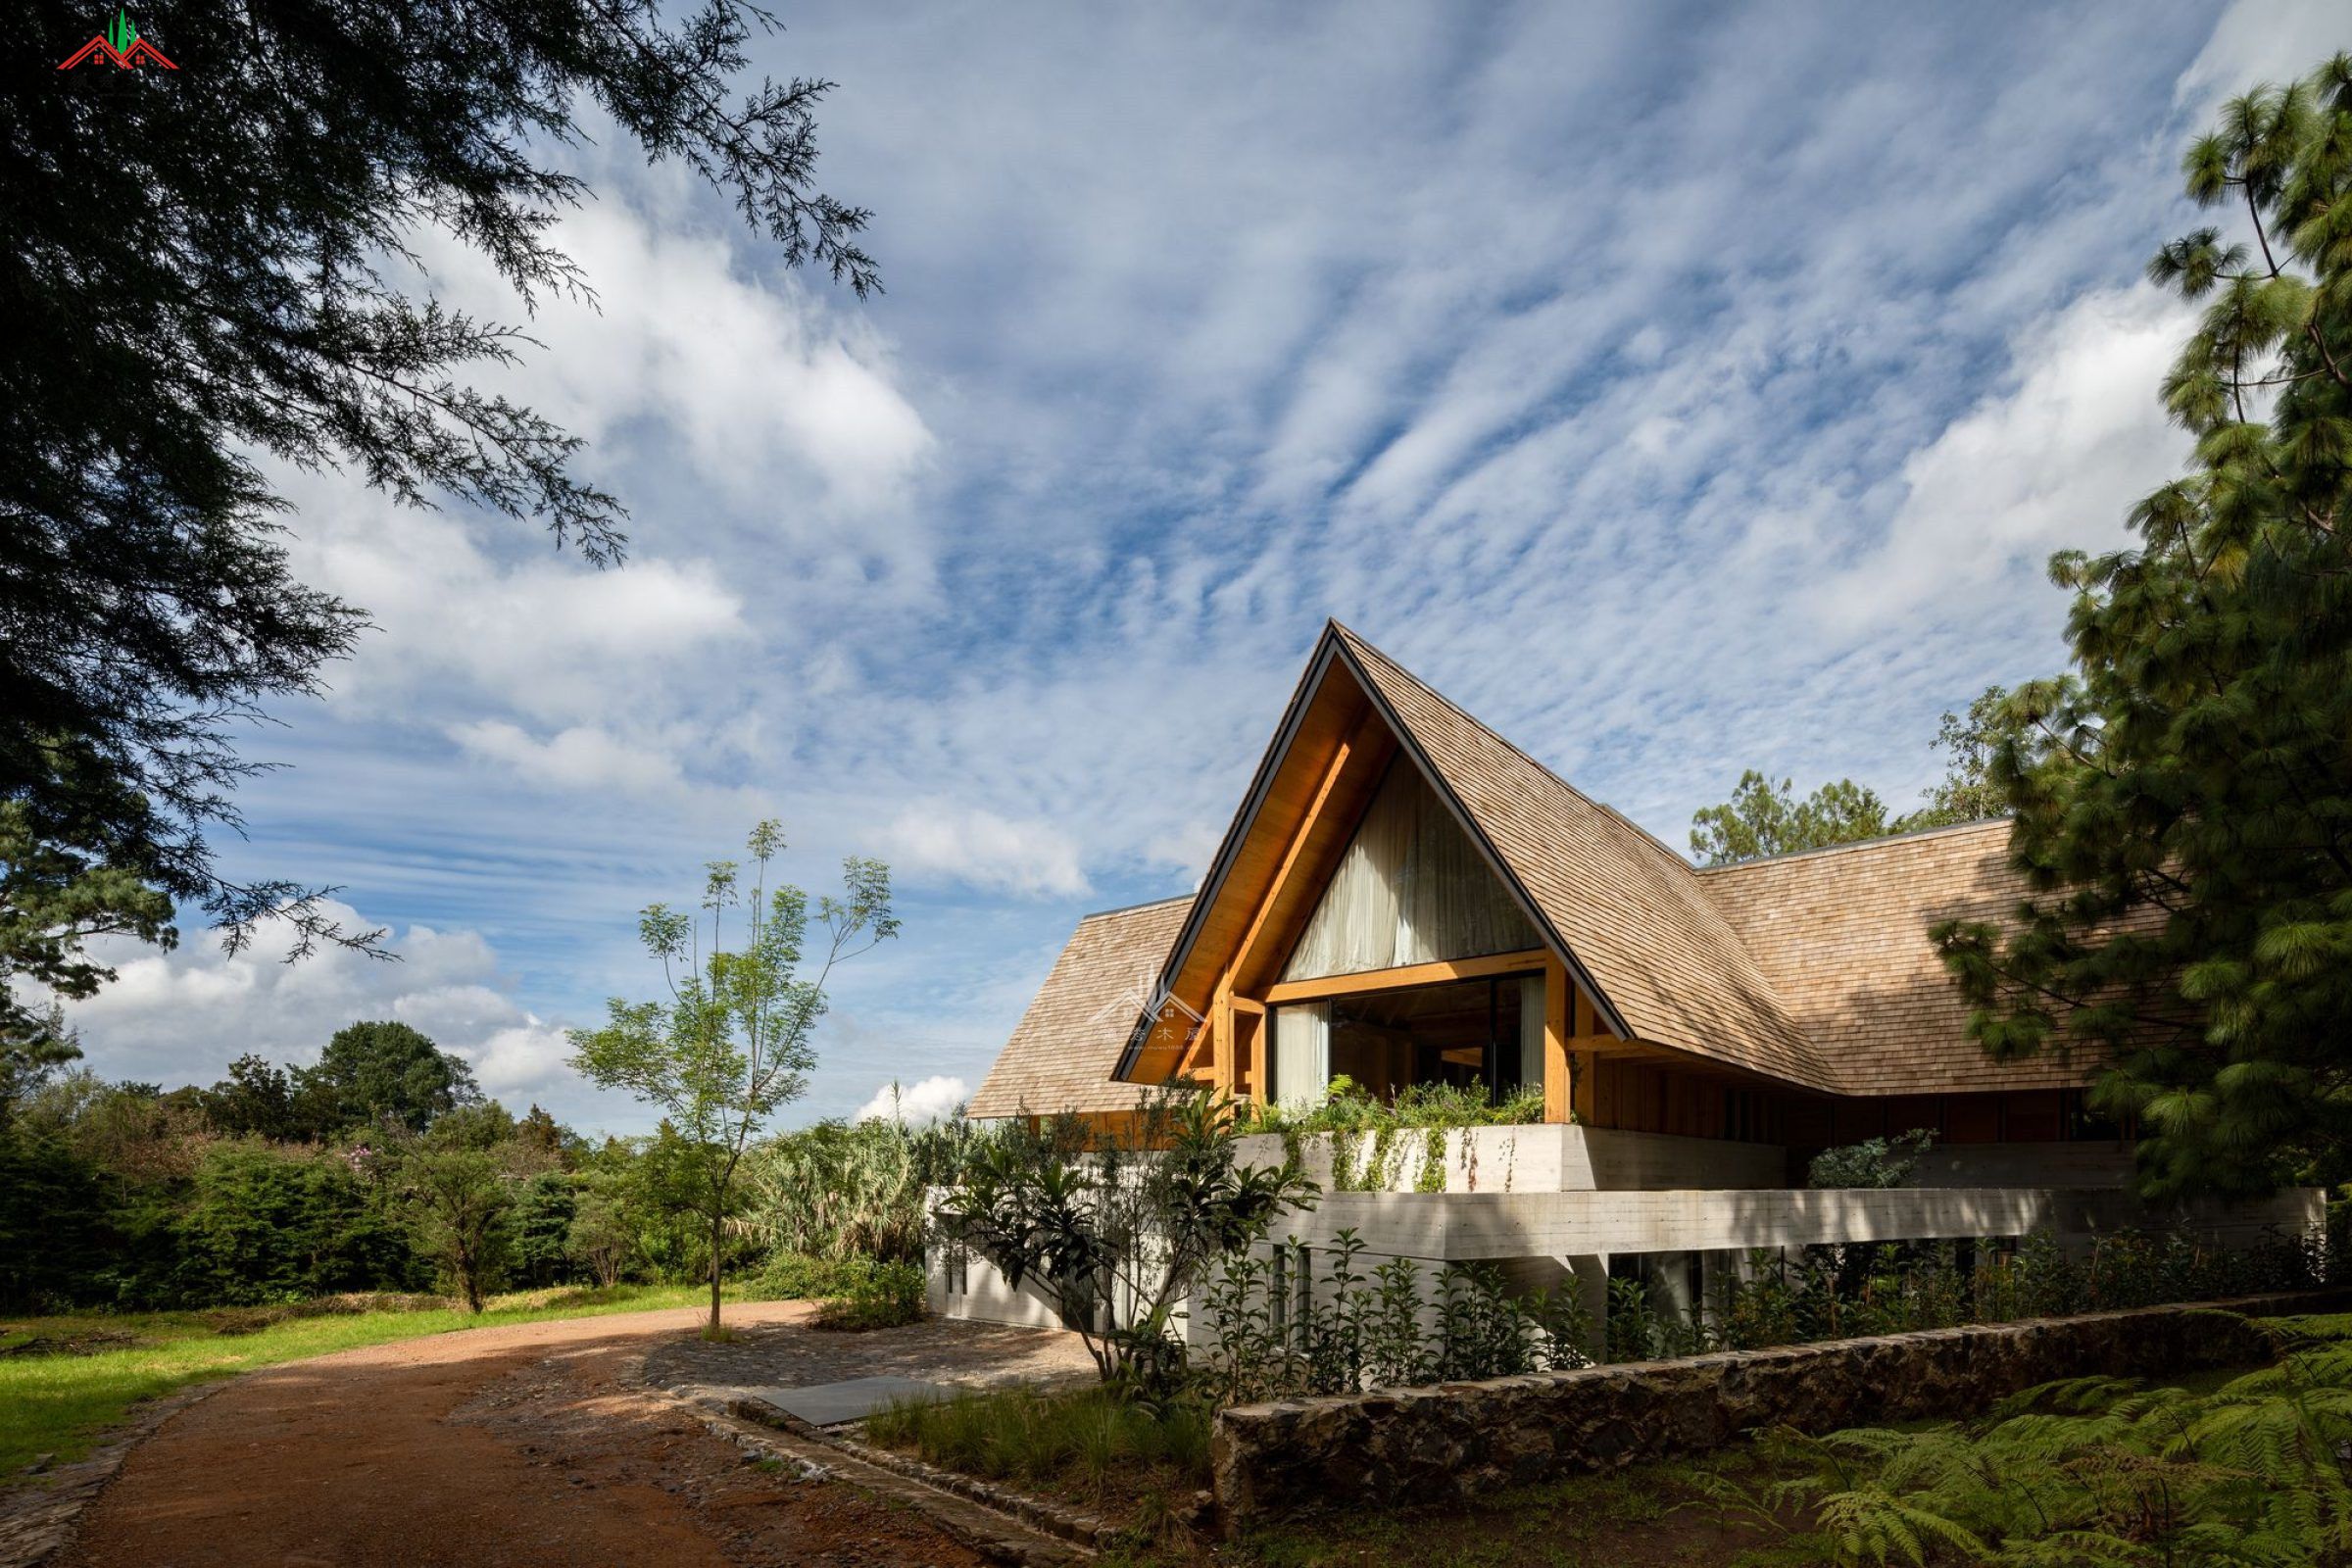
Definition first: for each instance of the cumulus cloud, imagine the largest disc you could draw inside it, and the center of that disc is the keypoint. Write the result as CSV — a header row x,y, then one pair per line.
x,y
932,1099
583,757
976,847
183,1017
2051,463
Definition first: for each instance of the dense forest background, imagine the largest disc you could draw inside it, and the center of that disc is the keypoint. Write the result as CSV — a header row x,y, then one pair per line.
x,y
383,1168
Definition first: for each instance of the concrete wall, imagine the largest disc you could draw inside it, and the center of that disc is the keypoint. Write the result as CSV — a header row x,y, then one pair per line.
x,y
1538,1157
1458,1227
986,1294
1459,1439
2086,1164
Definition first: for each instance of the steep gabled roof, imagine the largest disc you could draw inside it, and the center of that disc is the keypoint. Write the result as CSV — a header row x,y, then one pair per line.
x,y
1062,1056
1812,969
1626,911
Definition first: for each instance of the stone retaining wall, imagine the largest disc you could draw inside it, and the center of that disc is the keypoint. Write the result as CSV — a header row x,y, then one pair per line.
x,y
1459,1439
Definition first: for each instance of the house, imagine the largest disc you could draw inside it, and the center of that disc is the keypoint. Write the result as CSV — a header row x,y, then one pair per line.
x,y
1406,897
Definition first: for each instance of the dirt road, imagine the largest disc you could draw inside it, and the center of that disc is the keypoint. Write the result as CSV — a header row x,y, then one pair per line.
x,y
518,1445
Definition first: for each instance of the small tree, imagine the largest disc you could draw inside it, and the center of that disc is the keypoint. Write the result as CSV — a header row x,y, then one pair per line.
x,y
1119,1227
459,1182
601,1237
732,1043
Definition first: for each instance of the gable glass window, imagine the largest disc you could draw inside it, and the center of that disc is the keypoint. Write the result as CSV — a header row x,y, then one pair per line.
x,y
1410,889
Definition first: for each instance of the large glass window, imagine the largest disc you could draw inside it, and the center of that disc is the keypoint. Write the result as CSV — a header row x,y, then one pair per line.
x,y
1472,1032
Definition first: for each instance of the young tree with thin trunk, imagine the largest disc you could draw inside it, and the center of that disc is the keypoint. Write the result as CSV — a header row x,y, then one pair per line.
x,y
732,1044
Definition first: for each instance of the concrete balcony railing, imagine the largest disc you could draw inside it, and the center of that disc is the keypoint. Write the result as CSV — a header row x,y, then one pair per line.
x,y
1548,1158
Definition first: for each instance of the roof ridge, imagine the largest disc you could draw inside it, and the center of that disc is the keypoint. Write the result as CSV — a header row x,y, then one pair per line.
x,y
1148,904
1505,741
1871,842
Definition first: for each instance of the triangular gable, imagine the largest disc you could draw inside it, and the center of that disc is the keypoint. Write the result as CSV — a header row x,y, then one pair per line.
x,y
1628,912
1312,785
1625,915
1410,888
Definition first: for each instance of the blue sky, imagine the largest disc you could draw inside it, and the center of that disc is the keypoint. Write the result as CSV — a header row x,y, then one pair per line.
x,y
1681,389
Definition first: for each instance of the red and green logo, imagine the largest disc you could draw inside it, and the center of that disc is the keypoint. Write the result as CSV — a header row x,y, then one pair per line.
x,y
120,43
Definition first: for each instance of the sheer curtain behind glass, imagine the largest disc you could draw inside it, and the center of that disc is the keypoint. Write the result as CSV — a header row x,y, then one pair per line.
x,y
1301,1053
1411,889
1531,1031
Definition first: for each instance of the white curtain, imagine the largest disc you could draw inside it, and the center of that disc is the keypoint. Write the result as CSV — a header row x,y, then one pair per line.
x,y
1531,1031
1301,1053
1411,889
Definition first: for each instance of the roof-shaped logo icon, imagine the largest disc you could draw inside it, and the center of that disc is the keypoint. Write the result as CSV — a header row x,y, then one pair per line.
x,y
119,45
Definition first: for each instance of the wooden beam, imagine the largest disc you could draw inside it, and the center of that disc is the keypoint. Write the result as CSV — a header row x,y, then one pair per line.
x,y
1559,1064
1439,973
1349,748
1587,1100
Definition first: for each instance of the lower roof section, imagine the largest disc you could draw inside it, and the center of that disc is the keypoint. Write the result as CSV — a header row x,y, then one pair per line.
x,y
1065,1052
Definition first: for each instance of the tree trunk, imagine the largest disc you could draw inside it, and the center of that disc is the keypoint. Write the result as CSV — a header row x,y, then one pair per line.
x,y
715,1222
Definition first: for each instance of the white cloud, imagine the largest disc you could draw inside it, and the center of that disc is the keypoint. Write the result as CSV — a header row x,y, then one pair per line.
x,y
763,382
2055,461
932,1099
580,758
183,1017
976,847
2273,41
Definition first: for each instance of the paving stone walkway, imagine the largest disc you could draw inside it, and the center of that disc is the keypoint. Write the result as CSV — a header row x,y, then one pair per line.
x,y
789,1354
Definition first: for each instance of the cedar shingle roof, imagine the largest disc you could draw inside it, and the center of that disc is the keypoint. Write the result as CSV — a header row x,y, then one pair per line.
x,y
1841,933
1814,969
1067,1045
1629,909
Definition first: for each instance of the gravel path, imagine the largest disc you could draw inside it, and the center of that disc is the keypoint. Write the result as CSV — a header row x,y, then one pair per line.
x,y
529,1444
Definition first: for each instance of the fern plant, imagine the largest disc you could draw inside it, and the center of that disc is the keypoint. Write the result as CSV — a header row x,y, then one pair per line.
x,y
2091,1471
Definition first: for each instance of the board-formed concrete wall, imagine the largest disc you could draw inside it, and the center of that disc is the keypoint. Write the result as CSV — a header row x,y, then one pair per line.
x,y
1460,1440
1537,1157
1466,1227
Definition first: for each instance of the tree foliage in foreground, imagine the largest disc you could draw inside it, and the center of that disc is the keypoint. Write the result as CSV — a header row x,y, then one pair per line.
x,y
211,276
2183,793
1120,1227
2094,1470
735,1040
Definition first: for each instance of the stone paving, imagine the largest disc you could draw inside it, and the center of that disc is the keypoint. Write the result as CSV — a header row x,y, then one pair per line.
x,y
792,1356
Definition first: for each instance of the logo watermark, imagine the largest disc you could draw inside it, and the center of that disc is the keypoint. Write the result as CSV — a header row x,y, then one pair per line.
x,y
1161,1016
121,44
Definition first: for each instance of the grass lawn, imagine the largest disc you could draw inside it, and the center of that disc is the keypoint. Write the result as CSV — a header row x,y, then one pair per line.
x,y
63,1380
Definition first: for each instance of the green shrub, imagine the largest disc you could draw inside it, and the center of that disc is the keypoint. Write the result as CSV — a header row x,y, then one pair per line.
x,y
1873,1163
268,1224
799,1276
884,1297
844,1190
2090,1470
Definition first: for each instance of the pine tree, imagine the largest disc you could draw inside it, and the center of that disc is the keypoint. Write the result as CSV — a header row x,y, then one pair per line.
x,y
2183,793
